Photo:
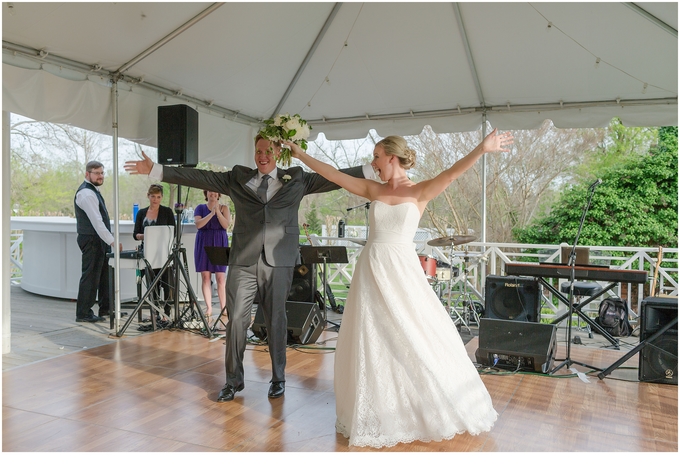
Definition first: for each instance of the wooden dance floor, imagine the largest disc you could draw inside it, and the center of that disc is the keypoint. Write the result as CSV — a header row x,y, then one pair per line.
x,y
157,392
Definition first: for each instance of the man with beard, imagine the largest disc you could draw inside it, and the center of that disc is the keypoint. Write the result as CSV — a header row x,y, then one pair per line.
x,y
94,240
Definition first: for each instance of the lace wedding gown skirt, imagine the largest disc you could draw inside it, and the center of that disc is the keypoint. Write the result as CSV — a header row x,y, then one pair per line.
x,y
401,369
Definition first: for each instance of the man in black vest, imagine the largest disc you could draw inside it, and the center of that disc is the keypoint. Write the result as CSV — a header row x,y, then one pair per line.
x,y
95,240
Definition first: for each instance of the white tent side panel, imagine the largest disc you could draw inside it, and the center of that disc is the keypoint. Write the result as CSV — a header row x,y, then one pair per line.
x,y
87,104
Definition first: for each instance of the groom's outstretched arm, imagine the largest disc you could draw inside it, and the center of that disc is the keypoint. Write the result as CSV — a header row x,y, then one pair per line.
x,y
201,179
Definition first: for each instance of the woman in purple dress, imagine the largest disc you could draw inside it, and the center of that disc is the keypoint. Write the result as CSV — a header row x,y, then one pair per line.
x,y
212,220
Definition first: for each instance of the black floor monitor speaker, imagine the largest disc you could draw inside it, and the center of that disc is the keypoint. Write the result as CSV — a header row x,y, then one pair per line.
x,y
303,287
514,345
177,135
659,358
512,298
305,323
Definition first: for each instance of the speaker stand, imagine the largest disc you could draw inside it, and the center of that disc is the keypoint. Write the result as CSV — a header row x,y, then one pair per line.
x,y
568,362
148,298
324,255
637,348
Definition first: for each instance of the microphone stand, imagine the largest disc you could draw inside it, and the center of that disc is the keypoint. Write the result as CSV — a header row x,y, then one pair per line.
x,y
366,207
572,264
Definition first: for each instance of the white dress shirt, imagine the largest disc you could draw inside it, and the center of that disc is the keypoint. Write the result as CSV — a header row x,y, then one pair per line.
x,y
272,188
88,201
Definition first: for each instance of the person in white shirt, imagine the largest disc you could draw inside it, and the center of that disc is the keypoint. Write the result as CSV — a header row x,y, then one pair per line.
x,y
94,240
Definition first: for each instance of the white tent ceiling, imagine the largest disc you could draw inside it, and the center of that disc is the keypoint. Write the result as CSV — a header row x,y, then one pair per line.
x,y
345,67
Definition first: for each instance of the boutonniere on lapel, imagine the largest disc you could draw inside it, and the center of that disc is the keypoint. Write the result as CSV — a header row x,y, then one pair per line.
x,y
285,178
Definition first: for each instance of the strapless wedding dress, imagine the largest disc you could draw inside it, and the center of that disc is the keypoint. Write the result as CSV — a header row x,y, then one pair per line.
x,y
401,369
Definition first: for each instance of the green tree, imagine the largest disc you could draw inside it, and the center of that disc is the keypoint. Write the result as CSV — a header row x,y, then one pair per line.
x,y
620,146
519,183
312,219
637,205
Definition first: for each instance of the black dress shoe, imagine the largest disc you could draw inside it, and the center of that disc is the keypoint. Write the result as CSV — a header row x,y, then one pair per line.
x,y
90,319
227,393
277,389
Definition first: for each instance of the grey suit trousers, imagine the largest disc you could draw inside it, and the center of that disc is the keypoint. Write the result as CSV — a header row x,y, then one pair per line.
x,y
273,285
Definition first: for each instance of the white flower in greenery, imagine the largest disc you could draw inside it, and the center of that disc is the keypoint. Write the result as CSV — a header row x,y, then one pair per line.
x,y
295,126
278,120
303,133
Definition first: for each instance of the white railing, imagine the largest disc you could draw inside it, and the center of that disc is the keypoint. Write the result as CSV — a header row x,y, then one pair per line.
x,y
486,259
482,260
16,255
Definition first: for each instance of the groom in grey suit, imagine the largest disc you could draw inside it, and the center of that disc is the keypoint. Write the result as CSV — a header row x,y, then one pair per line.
x,y
264,249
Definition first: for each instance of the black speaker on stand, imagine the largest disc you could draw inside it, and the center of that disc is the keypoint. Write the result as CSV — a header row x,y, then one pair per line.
x,y
177,135
512,298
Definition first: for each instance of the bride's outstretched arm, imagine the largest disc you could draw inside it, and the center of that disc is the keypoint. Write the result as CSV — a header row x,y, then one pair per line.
x,y
493,142
359,186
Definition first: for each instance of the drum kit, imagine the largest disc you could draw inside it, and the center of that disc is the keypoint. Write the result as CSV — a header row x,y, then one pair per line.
x,y
440,273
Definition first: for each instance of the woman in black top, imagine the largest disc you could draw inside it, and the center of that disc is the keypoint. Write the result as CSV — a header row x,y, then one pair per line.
x,y
155,214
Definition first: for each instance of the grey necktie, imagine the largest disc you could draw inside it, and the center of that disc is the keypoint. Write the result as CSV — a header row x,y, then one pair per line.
x,y
262,189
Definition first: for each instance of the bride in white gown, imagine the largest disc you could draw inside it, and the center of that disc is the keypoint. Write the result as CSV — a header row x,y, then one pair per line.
x,y
401,369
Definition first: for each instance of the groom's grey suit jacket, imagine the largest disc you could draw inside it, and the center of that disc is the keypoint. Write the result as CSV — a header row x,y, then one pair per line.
x,y
272,226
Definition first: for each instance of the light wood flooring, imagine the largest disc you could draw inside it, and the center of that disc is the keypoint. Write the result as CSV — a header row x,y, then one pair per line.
x,y
156,392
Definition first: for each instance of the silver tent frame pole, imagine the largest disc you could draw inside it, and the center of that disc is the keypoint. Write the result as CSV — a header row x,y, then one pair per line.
x,y
483,265
116,232
484,182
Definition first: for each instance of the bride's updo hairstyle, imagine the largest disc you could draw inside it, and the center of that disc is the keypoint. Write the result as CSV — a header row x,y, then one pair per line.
x,y
397,146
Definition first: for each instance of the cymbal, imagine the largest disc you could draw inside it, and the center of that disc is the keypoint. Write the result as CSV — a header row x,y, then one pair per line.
x,y
454,240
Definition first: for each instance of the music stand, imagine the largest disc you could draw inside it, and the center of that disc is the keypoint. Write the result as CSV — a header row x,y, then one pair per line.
x,y
324,255
219,256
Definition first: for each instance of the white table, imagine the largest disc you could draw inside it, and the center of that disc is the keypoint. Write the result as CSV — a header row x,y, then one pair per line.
x,y
52,259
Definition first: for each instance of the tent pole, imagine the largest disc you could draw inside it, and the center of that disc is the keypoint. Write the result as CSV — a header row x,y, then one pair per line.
x,y
483,182
5,231
116,233
482,266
